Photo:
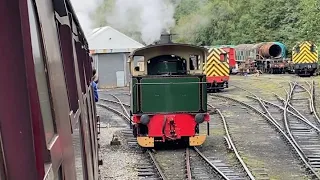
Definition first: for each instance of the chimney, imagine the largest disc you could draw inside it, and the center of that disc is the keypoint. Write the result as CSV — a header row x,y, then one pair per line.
x,y
165,39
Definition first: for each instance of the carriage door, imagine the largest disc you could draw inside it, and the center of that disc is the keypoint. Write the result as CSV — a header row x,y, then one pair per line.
x,y
53,153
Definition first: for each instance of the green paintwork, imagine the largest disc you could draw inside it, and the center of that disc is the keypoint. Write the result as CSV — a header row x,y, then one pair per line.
x,y
133,98
204,93
171,94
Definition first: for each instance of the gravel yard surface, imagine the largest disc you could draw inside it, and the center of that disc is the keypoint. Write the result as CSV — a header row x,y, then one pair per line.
x,y
172,162
263,149
260,146
118,161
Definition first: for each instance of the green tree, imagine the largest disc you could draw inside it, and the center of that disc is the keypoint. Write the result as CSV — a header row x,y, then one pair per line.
x,y
217,22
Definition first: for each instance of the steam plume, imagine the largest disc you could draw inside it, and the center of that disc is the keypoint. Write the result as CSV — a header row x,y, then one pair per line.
x,y
148,17
83,10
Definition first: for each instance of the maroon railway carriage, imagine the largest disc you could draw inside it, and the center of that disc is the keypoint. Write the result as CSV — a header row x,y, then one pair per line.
x,y
48,122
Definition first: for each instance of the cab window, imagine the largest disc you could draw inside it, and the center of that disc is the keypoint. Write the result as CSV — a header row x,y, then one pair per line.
x,y
138,62
312,48
223,57
194,62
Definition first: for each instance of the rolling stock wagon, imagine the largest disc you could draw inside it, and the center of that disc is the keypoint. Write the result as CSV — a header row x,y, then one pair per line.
x,y
269,57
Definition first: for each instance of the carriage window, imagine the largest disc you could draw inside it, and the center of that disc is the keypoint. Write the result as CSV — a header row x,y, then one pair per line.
x,y
297,49
41,75
312,48
138,63
68,64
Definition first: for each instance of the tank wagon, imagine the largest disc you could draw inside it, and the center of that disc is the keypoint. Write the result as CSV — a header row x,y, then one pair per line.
x,y
47,109
269,57
168,97
305,58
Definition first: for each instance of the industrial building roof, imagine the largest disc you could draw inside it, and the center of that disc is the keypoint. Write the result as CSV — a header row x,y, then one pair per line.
x,y
109,40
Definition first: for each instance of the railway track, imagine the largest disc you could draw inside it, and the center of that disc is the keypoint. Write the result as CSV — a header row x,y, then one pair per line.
x,y
308,100
297,130
233,147
215,168
146,168
306,138
152,167
220,166
195,164
302,129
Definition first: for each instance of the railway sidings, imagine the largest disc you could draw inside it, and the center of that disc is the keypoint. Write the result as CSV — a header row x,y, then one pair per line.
x,y
268,130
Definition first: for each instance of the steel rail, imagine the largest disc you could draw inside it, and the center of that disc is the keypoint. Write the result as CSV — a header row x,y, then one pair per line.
x,y
210,163
294,109
301,117
116,112
116,102
282,108
160,172
124,109
188,166
312,107
234,147
305,159
312,98
284,134
261,103
313,103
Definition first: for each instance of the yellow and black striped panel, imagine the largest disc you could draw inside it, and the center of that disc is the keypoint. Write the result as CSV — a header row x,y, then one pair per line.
x,y
305,52
214,66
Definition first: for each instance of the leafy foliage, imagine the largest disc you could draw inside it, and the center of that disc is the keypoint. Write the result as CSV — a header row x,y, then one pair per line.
x,y
217,22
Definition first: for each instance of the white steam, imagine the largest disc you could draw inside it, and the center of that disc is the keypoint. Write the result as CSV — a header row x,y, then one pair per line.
x,y
148,17
83,10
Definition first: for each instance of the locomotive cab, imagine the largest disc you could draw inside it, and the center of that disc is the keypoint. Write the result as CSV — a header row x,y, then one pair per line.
x,y
168,95
217,70
305,58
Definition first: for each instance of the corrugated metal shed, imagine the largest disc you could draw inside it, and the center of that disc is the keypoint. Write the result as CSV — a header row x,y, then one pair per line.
x,y
108,40
109,50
